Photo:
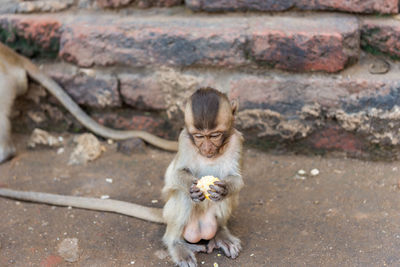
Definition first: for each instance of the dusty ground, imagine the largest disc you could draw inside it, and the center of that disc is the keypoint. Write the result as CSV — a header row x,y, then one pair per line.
x,y
348,215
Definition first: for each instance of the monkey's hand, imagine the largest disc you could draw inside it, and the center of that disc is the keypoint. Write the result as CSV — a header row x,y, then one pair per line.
x,y
195,193
218,191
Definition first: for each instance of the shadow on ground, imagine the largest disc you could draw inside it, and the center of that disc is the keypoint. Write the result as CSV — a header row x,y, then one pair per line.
x,y
348,215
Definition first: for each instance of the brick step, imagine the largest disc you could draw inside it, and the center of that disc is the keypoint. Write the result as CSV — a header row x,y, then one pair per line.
x,y
38,6
354,111
355,6
317,42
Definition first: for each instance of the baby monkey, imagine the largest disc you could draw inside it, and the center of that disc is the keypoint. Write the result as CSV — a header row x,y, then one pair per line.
x,y
208,145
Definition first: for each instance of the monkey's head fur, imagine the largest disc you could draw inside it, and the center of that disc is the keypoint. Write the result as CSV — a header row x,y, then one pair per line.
x,y
209,120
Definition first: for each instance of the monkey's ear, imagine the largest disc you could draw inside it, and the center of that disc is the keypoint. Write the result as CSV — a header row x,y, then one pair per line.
x,y
234,106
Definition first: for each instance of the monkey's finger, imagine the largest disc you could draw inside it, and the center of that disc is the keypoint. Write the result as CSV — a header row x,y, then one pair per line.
x,y
220,183
214,196
194,189
218,189
196,195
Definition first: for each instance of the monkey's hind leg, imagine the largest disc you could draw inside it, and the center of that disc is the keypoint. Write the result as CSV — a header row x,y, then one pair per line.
x,y
7,149
224,240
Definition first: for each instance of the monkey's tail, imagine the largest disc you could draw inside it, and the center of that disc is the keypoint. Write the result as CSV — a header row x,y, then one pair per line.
x,y
87,121
109,205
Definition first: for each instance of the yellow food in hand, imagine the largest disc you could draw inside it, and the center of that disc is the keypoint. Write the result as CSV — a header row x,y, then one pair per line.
x,y
204,184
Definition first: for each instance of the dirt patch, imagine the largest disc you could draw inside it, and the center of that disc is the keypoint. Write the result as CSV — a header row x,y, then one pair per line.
x,y
344,216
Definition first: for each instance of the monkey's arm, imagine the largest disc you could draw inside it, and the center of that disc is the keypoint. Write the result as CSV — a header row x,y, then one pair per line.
x,y
181,181
234,183
110,205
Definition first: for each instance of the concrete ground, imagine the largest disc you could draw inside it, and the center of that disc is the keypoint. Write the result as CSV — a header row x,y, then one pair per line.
x,y
348,215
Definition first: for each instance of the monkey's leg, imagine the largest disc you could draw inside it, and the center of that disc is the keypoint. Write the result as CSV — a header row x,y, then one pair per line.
x,y
224,240
7,95
7,149
176,214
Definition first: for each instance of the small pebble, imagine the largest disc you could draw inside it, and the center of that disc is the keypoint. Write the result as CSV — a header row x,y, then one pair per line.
x,y
154,201
109,180
252,254
301,172
132,262
314,172
105,197
60,151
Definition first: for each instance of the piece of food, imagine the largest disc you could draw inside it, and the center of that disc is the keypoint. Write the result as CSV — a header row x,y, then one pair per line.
x,y
204,184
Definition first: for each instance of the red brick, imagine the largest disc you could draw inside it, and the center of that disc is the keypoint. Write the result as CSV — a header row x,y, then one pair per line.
x,y
31,35
319,43
287,94
140,3
87,87
357,6
128,120
113,3
175,42
334,138
381,35
142,92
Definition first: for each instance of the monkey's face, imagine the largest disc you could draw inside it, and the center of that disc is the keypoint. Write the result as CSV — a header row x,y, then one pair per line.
x,y
209,120
208,143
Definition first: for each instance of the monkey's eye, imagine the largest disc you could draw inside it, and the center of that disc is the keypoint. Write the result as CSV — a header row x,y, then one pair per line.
x,y
198,136
215,135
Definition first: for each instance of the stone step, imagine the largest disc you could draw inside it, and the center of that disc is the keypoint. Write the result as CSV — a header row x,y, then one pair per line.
x,y
381,35
354,111
316,42
354,6
38,6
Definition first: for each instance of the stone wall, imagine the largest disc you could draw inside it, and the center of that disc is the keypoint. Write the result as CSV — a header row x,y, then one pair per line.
x,y
310,76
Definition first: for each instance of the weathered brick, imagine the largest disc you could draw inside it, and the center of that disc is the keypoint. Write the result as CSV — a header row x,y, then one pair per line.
x,y
357,6
142,92
175,42
139,3
288,94
37,35
128,120
381,36
89,88
239,5
319,43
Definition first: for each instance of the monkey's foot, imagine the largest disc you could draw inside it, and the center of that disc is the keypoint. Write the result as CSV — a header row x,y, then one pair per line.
x,y
183,255
224,240
6,152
